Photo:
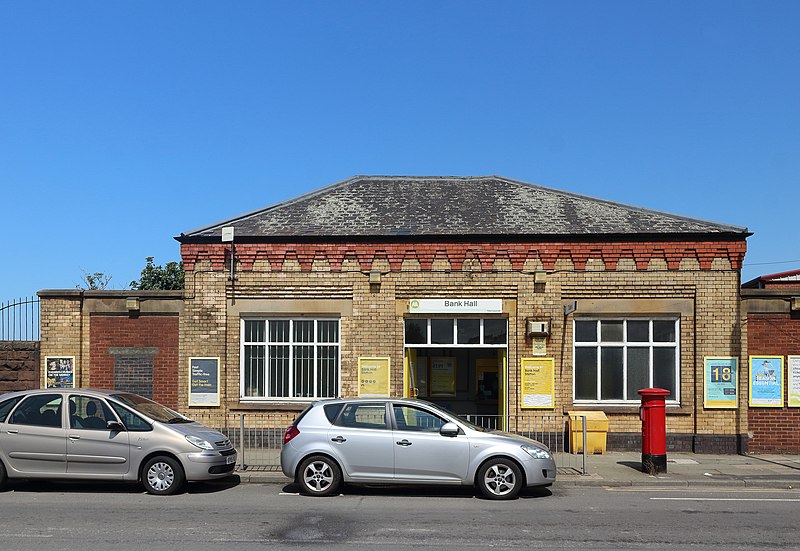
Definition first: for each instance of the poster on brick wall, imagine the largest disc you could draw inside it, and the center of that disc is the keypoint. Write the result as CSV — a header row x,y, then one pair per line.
x,y
373,377
766,381
720,383
203,381
60,371
794,381
538,383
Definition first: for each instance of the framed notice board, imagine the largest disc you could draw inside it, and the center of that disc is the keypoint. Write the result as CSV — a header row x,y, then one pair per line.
x,y
373,377
538,383
442,382
203,381
720,383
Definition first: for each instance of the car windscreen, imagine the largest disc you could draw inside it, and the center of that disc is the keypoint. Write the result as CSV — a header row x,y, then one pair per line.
x,y
461,420
150,409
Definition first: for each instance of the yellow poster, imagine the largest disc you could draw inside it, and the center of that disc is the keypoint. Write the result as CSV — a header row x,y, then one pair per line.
x,y
443,377
373,377
538,383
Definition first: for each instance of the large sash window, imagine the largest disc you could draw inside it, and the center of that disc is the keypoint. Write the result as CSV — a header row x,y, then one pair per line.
x,y
290,358
614,358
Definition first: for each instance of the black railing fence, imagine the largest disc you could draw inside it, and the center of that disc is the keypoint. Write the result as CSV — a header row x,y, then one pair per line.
x,y
19,319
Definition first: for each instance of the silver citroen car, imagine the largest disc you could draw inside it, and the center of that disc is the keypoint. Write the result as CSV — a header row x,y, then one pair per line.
x,y
407,441
77,433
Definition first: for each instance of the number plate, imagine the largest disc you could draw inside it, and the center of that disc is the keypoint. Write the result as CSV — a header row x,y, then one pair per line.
x,y
230,459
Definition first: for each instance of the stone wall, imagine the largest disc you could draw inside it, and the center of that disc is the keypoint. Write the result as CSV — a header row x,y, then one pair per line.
x,y
19,365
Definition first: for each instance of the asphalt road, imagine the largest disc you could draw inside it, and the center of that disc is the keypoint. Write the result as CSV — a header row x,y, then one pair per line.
x,y
58,516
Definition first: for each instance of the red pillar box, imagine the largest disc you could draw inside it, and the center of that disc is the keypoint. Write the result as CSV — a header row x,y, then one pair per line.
x,y
654,429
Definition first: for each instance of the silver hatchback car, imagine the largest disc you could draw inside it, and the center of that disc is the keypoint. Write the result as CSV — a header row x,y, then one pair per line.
x,y
407,441
106,435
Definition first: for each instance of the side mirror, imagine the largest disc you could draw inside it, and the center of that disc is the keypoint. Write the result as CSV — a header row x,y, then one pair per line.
x,y
115,426
449,429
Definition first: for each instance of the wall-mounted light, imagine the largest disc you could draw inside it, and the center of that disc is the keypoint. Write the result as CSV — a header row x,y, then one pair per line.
x,y
540,277
375,277
132,303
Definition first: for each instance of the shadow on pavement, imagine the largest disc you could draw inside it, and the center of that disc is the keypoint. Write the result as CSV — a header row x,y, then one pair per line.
x,y
458,492
94,487
635,465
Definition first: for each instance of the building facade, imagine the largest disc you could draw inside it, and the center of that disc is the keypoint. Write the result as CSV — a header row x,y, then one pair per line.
x,y
492,297
771,306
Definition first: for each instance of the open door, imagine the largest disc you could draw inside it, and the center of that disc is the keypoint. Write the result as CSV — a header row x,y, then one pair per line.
x,y
410,389
502,360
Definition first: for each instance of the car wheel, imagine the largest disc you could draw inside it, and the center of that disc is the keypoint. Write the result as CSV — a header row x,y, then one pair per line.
x,y
162,476
3,475
500,479
319,476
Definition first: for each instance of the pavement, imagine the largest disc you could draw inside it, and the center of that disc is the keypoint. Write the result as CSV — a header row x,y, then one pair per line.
x,y
619,469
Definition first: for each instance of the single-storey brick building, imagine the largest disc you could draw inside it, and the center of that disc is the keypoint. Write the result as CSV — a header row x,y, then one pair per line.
x,y
490,296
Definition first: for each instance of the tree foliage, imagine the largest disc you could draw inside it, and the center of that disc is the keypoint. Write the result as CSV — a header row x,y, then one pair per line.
x,y
156,277
97,281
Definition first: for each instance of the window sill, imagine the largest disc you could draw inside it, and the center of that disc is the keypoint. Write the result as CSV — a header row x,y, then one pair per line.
x,y
671,409
269,406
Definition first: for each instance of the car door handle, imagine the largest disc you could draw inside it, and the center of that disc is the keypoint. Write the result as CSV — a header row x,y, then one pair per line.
x,y
404,442
74,437
338,439
13,431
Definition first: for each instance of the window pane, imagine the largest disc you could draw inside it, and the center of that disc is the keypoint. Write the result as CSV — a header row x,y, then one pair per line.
x,y
279,331
416,331
327,371
254,370
469,331
611,331
327,331
442,331
611,374
303,371
413,419
254,331
278,371
586,373
585,331
638,331
304,331
664,370
7,406
363,416
663,331
43,410
638,371
495,331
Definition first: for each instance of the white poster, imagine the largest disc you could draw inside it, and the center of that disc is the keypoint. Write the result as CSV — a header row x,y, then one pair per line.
x,y
794,381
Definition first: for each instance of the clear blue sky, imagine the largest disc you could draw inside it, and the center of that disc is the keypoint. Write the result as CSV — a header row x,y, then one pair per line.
x,y
123,124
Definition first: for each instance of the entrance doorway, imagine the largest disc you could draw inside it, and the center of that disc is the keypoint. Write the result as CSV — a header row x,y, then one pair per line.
x,y
459,364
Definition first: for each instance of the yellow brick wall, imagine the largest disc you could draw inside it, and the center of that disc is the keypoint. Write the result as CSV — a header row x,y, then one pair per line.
x,y
375,326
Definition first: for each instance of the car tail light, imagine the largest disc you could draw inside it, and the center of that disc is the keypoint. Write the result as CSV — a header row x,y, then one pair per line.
x,y
290,433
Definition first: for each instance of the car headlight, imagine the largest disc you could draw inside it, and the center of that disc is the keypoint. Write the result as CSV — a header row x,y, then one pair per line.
x,y
199,442
536,452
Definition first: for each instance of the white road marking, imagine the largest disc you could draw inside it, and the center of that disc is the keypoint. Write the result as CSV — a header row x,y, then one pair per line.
x,y
721,499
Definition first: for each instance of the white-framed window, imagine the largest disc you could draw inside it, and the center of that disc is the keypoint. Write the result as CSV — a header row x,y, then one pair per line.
x,y
614,358
456,332
289,358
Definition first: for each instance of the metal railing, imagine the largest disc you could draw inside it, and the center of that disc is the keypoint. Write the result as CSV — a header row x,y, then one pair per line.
x,y
258,436
19,319
552,430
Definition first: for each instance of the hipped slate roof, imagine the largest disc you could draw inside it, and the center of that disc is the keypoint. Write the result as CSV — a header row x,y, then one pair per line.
x,y
453,207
